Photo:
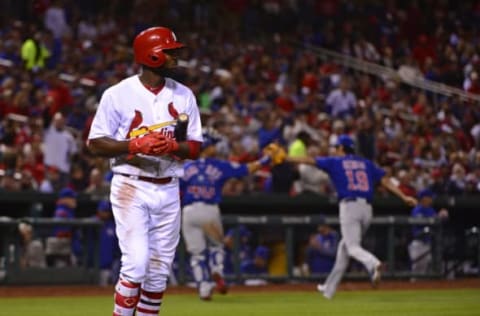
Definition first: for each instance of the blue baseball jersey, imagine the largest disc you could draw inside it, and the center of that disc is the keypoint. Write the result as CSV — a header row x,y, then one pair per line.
x,y
421,211
352,176
204,179
108,244
63,211
253,266
249,267
322,260
245,250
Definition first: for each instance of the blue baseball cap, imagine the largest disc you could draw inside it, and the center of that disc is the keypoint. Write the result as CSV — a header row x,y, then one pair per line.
x,y
67,193
345,140
104,206
425,193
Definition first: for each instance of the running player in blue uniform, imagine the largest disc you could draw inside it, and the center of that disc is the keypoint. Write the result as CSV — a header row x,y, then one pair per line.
x,y
354,179
202,227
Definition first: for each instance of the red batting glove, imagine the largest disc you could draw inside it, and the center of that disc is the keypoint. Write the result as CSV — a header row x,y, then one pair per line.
x,y
166,146
145,145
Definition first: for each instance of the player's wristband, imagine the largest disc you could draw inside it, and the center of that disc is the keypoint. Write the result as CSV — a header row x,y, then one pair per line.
x,y
134,146
265,160
193,149
174,146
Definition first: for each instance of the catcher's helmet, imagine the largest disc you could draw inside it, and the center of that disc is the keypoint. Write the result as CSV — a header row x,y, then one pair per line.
x,y
149,45
210,137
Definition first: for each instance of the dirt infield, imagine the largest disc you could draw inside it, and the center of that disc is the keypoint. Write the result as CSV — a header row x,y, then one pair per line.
x,y
29,291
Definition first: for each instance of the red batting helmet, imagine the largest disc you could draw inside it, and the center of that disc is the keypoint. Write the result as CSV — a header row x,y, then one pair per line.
x,y
148,46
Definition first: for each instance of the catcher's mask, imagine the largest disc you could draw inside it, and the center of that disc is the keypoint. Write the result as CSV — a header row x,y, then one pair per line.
x,y
149,46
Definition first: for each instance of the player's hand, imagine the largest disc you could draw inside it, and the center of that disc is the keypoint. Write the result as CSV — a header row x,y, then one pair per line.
x,y
411,201
146,145
164,145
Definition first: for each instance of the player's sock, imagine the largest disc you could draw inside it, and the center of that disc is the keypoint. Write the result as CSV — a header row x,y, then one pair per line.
x,y
149,303
126,298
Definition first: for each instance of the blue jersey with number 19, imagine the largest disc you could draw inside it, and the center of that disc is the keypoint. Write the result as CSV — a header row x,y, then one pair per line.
x,y
204,179
352,176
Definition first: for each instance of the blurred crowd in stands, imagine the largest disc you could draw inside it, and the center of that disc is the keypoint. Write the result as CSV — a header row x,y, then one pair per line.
x,y
255,83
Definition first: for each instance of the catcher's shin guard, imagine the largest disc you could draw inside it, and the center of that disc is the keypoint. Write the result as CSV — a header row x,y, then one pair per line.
x,y
201,274
199,268
217,255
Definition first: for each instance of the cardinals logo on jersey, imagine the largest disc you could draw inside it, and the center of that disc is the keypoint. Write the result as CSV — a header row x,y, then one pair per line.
x,y
137,120
136,130
172,110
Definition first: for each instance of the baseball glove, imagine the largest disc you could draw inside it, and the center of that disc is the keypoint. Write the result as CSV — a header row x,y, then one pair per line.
x,y
276,153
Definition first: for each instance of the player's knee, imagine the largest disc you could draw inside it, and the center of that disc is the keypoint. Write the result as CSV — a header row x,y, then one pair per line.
x,y
354,251
157,282
135,267
198,259
340,265
216,240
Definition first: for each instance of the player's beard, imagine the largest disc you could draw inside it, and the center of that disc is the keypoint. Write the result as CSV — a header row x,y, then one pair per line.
x,y
170,72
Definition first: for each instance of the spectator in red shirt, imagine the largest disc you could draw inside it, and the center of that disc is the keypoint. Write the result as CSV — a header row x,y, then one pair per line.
x,y
422,50
420,105
58,95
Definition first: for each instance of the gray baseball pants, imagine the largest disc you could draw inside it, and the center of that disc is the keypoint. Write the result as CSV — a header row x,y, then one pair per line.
x,y
420,253
355,217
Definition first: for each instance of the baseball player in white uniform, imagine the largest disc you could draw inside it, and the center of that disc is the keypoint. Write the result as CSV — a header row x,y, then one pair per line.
x,y
136,125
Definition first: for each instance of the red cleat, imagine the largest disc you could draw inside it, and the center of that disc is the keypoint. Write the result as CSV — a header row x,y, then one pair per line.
x,y
221,286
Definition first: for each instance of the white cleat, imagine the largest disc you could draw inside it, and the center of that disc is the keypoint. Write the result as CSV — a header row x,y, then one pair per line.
x,y
205,291
321,288
376,275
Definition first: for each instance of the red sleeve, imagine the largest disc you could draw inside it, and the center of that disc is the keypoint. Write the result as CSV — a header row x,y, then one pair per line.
x,y
194,147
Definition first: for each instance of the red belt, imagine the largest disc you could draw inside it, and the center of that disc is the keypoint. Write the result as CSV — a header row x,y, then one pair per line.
x,y
148,179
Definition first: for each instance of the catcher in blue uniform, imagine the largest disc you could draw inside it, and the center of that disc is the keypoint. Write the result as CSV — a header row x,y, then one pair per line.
x,y
202,227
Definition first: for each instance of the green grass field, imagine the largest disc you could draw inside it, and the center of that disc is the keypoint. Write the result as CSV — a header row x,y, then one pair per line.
x,y
369,303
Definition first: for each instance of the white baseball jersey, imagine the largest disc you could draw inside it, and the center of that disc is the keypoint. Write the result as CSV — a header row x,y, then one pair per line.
x,y
59,146
128,109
